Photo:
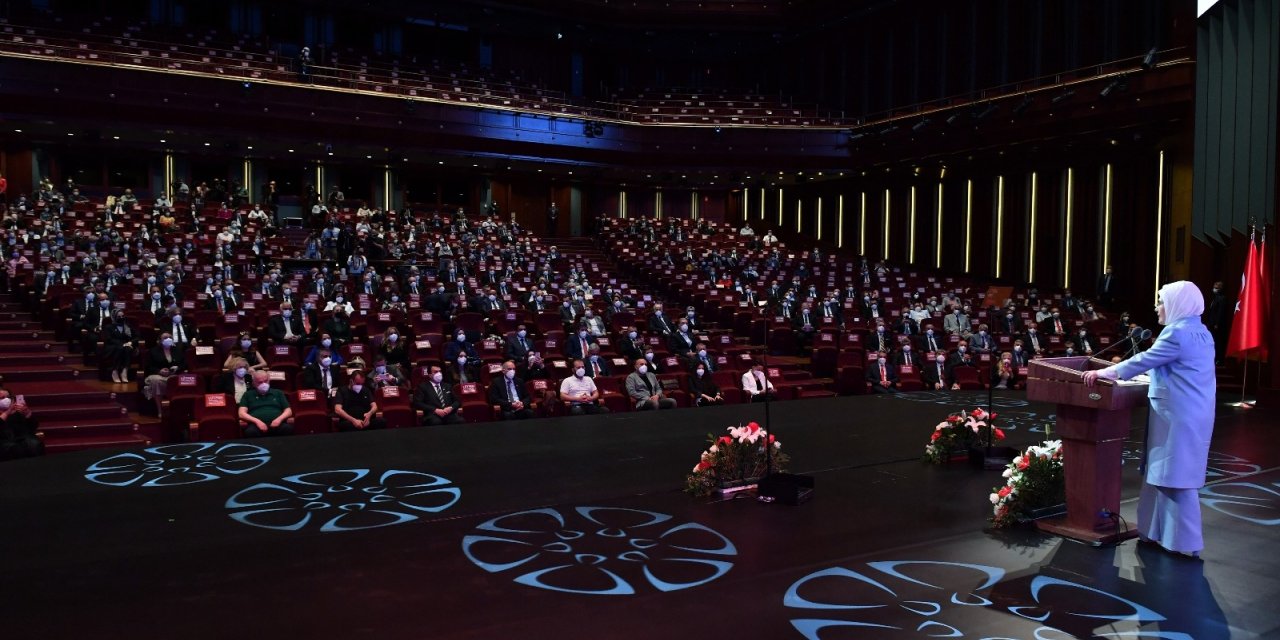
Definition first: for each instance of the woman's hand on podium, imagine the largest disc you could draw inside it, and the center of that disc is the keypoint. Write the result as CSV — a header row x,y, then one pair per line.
x,y
1091,377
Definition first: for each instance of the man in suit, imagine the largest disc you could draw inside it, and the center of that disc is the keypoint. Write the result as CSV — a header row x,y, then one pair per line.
x,y
183,332
1218,320
286,327
805,324
518,345
633,345
644,389
220,303
596,365
97,321
1037,345
322,375
882,375
462,369
961,357
909,357
982,342
568,314
935,374
578,346
956,323
1054,324
931,342
906,326
1010,324
1087,342
880,340
702,357
1106,287
437,401
593,324
681,342
658,323
831,309
509,395
1019,353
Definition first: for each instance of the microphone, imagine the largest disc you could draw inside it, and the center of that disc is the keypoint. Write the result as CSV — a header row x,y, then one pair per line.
x,y
1133,339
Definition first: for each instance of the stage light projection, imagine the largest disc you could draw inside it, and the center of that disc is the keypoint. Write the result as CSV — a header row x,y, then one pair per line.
x,y
177,464
342,500
600,551
956,599
1256,502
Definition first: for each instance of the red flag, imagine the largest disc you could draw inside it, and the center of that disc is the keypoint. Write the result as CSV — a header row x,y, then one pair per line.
x,y
1248,327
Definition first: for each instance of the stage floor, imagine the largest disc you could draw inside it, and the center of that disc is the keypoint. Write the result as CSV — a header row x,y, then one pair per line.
x,y
578,528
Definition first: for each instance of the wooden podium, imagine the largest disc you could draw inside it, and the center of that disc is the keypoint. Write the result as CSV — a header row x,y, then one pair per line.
x,y
1093,424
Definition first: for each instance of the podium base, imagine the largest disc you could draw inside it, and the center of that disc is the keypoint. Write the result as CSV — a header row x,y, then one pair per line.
x,y
1096,537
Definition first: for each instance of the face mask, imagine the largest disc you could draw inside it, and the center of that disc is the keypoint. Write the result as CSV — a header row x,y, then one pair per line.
x,y
906,349
579,372
648,356
437,377
357,388
929,332
5,403
245,344
566,304
393,337
338,299
326,361
395,298
700,372
684,327
881,360
521,333
177,319
1071,351
962,349
1008,316
167,342
240,371
658,313
1017,348
264,387
462,360
1055,315
644,369
326,342
287,292
1084,333
982,333
582,334
462,337
509,373
104,304
155,296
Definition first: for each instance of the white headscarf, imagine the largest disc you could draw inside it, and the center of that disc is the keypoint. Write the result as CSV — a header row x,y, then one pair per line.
x,y
1181,299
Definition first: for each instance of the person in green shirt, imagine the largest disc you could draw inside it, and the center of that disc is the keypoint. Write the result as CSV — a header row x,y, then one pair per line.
x,y
264,410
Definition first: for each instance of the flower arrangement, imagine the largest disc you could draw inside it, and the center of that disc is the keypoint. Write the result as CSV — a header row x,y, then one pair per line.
x,y
960,431
1034,481
735,458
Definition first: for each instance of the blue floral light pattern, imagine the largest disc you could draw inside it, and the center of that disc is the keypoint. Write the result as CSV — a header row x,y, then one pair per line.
x,y
177,464
1252,502
868,602
604,551
342,500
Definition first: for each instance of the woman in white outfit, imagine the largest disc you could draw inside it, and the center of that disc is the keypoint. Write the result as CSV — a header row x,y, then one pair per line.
x,y
1182,394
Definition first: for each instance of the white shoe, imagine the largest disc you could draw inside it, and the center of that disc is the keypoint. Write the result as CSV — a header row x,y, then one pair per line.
x,y
115,377
124,375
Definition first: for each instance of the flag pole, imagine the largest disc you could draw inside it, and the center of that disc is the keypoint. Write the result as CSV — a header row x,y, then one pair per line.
x,y
1244,383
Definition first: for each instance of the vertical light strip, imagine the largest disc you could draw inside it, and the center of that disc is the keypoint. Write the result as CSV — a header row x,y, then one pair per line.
x,y
320,182
247,175
622,204
746,196
1066,247
762,203
968,225
168,174
1106,221
862,226
799,213
840,222
386,188
937,258
999,224
693,205
911,251
1031,239
1159,222
885,253
657,204
819,217
780,209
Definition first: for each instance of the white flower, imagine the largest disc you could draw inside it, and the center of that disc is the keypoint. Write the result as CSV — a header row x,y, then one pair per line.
x,y
941,425
995,498
777,444
713,449
695,468
1008,473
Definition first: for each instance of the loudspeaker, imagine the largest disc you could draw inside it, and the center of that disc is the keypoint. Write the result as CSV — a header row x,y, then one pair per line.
x,y
787,488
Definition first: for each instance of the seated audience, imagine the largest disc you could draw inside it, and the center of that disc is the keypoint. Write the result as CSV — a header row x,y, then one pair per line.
x,y
509,396
265,410
645,390
579,393
355,407
756,385
437,401
17,428
702,388
882,375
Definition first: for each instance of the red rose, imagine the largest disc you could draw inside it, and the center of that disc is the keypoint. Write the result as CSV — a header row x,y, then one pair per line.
x,y
999,434
704,465
1004,491
993,416
1023,464
772,439
753,427
936,435
977,413
725,440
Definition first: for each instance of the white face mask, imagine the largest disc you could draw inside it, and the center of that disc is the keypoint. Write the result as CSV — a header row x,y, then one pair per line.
x,y
393,337
240,371
326,342
437,377
509,373
264,387
701,372
5,403
357,387
580,372
326,361
644,369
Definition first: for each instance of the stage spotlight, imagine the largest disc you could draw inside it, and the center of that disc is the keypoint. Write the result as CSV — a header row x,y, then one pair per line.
x,y
1149,60
951,119
1119,84
1063,96
1022,106
857,136
990,109
888,130
924,122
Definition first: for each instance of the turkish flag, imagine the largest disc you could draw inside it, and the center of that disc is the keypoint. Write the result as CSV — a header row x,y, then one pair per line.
x,y
1248,330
